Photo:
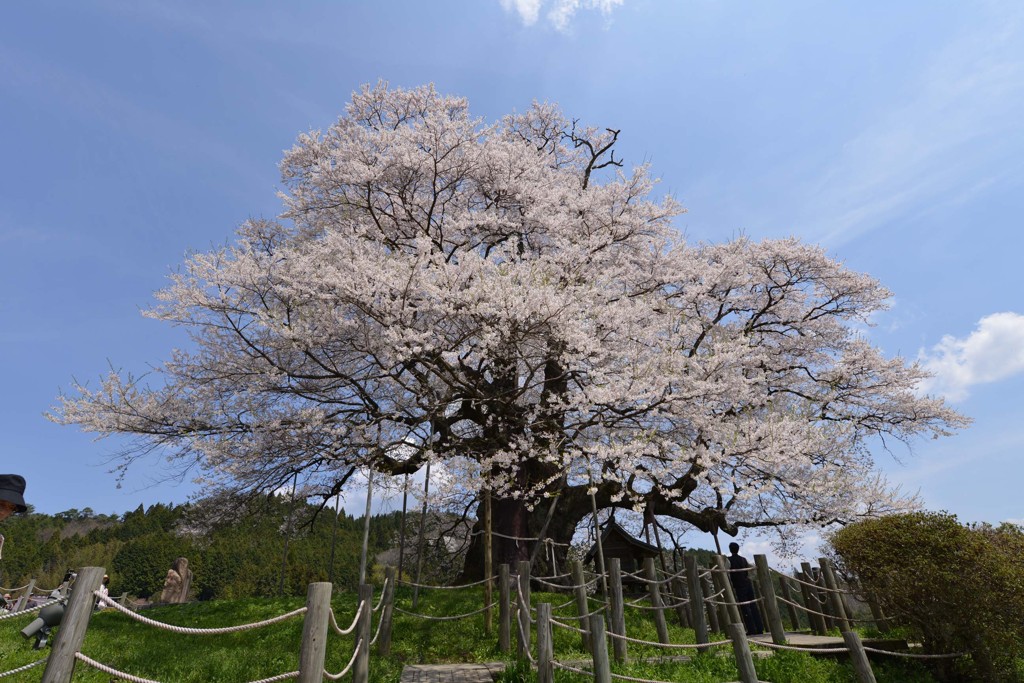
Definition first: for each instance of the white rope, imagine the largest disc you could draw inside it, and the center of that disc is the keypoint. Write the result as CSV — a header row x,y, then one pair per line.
x,y
373,641
806,609
738,604
464,585
30,610
564,605
383,591
13,590
452,618
112,671
526,643
816,586
566,667
24,668
523,538
913,655
196,631
554,576
675,646
355,620
821,650
525,607
348,667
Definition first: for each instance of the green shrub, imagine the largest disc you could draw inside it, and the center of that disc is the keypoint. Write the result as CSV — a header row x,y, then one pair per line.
x,y
958,588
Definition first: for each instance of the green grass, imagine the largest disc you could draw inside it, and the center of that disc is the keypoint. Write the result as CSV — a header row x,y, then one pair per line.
x,y
145,651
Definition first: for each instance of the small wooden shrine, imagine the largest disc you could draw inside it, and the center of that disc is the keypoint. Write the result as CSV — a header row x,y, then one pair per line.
x,y
617,542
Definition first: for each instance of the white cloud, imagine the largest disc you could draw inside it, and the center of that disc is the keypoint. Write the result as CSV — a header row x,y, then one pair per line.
x,y
1017,522
560,13
992,352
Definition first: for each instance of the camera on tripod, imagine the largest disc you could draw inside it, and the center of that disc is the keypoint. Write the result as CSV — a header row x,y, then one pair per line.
x,y
50,615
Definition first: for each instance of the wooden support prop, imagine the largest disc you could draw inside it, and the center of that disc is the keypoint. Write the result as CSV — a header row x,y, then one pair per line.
x,y
314,633
858,657
713,610
25,595
599,650
741,648
523,605
654,590
361,668
835,597
771,606
730,596
384,643
616,608
61,663
545,649
504,609
811,602
582,606
700,628
794,615
488,564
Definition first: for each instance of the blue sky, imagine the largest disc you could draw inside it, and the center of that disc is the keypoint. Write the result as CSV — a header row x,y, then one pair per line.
x,y
134,131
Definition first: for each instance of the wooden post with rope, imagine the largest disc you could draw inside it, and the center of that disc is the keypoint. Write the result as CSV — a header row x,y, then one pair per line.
x,y
488,564
61,663
313,650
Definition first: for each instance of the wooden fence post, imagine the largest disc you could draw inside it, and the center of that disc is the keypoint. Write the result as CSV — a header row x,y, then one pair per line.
x,y
616,608
361,668
545,649
384,644
61,663
582,605
730,596
25,595
771,607
700,628
654,590
713,610
314,633
504,609
811,601
821,595
858,657
523,604
679,595
741,648
794,615
599,650
833,593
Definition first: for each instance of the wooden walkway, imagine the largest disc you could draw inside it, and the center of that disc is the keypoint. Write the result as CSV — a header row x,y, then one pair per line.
x,y
451,673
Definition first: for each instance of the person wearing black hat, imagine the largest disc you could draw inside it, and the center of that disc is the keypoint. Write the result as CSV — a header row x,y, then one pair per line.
x,y
12,498
12,492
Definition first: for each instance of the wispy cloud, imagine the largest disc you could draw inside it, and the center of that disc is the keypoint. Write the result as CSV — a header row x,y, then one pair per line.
x,y
938,146
559,12
992,352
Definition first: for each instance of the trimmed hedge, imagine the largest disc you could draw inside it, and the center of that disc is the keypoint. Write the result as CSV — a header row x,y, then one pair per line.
x,y
959,588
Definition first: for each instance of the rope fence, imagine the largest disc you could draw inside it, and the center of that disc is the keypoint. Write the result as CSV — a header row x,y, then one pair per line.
x,y
23,668
192,630
30,610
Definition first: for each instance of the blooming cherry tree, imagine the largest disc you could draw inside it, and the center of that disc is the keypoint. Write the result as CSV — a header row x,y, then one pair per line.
x,y
506,299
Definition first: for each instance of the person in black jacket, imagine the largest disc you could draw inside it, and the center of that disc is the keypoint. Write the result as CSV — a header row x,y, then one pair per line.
x,y
743,587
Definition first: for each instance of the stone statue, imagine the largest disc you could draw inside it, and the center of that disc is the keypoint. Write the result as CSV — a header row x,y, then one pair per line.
x,y
177,583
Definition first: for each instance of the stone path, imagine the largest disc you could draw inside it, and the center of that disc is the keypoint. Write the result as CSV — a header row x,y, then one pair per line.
x,y
451,673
